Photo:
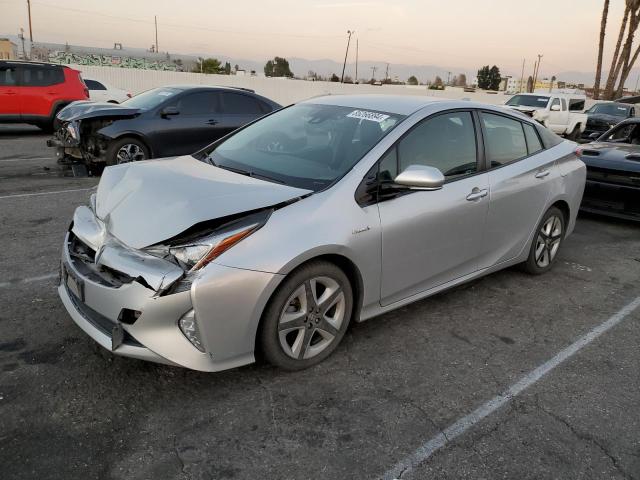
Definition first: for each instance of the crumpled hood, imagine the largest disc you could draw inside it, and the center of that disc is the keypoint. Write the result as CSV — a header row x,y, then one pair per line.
x,y
143,203
84,109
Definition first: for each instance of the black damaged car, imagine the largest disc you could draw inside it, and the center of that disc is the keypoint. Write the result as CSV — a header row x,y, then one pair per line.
x,y
603,116
162,122
613,172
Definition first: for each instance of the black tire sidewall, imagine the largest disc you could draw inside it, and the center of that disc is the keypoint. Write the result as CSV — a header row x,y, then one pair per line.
x,y
112,150
269,342
530,265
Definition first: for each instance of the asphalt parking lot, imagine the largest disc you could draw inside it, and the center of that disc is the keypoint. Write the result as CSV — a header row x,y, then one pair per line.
x,y
376,409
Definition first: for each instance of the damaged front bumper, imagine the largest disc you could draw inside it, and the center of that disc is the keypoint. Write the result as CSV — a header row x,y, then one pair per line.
x,y
131,302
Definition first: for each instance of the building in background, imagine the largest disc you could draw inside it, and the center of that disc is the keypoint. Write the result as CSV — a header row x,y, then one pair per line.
x,y
8,49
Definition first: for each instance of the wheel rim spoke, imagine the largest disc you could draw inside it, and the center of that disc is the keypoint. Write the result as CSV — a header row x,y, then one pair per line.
x,y
311,318
327,327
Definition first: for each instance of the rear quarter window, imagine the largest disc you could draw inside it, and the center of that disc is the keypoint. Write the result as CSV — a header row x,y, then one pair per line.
x,y
549,139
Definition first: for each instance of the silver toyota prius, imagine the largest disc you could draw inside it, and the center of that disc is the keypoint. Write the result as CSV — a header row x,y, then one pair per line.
x,y
272,240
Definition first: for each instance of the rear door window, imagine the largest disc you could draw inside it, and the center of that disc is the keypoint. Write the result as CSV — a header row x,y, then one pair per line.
x,y
237,103
8,76
533,141
504,139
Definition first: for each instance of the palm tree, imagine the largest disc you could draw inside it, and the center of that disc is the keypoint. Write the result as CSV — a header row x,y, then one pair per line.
x,y
603,27
611,78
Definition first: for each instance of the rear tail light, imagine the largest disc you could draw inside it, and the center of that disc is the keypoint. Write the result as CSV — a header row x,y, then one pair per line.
x,y
129,95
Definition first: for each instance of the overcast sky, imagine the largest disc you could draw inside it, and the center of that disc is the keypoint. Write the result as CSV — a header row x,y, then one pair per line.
x,y
464,33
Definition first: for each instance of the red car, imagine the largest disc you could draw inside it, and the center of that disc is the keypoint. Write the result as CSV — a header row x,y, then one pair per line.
x,y
35,92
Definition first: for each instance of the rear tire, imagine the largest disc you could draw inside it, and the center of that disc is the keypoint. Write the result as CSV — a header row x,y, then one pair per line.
x,y
546,243
125,150
307,316
574,136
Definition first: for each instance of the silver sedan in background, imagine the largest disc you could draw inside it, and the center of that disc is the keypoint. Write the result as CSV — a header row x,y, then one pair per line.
x,y
337,209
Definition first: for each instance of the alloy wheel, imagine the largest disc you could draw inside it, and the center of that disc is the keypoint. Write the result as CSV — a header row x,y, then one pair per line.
x,y
548,241
130,152
311,318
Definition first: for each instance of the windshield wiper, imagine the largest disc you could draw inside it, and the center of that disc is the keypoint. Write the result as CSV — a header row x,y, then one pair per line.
x,y
250,173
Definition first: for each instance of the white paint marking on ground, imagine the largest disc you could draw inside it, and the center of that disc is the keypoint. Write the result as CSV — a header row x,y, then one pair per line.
x,y
25,159
18,195
23,281
406,465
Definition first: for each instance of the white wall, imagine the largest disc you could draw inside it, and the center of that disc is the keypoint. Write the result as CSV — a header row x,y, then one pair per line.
x,y
283,91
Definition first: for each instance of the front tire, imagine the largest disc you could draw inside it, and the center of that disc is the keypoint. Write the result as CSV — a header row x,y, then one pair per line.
x,y
546,243
126,150
307,317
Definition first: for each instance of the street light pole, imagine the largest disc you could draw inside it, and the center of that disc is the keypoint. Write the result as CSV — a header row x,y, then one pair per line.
x,y
356,79
344,65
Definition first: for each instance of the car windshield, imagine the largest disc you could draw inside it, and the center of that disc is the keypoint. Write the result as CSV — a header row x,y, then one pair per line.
x,y
614,109
150,99
528,101
306,146
624,133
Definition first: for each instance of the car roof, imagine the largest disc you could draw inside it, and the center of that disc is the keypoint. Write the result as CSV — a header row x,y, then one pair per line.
x,y
28,62
207,87
396,104
406,104
552,94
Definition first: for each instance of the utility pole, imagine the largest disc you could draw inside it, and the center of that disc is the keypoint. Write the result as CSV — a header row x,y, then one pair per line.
x,y
521,76
537,70
156,22
349,32
356,79
448,77
30,29
386,75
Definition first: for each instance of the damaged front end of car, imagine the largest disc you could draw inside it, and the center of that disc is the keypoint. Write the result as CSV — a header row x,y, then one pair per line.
x,y
80,144
130,300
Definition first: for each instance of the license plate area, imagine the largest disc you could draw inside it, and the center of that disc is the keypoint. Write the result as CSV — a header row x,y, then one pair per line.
x,y
74,284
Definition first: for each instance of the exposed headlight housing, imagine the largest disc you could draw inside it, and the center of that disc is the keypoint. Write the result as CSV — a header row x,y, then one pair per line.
x,y
197,254
72,131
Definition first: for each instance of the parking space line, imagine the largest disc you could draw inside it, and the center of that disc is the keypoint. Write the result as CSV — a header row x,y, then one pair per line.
x,y
18,195
25,159
406,465
23,281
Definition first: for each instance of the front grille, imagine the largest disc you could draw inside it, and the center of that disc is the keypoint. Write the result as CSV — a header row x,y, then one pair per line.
x,y
99,321
83,259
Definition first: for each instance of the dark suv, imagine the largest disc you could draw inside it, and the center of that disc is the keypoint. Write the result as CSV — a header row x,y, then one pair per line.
x,y
34,93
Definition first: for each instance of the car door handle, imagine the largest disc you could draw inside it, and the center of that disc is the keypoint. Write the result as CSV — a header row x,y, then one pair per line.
x,y
477,194
212,122
542,173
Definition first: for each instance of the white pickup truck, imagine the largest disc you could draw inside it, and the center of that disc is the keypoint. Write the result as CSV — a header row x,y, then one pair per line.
x,y
561,113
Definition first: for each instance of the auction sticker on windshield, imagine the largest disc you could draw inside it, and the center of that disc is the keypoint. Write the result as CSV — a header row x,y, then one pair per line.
x,y
371,116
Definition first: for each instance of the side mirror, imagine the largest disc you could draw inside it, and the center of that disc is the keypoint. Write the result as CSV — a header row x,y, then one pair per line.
x,y
168,111
594,136
421,177
555,108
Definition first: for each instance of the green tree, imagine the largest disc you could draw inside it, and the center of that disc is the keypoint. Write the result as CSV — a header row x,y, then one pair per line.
x,y
489,78
412,80
278,67
208,65
335,78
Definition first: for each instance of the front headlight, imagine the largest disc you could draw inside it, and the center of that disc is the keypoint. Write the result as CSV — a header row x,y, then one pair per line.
x,y
195,255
